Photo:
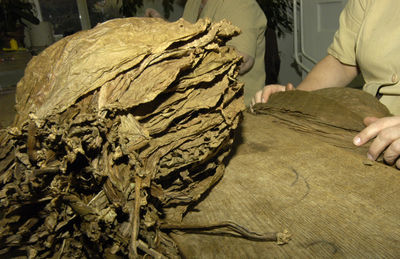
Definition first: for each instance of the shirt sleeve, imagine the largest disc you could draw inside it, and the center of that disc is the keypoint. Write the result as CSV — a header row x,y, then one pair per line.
x,y
191,10
344,42
250,18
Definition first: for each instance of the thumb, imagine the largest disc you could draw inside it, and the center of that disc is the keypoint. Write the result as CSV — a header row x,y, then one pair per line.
x,y
289,87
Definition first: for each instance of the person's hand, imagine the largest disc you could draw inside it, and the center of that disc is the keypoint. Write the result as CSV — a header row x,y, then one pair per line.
x,y
263,95
386,132
150,12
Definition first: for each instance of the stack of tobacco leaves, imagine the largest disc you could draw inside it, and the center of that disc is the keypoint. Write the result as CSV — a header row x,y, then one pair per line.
x,y
119,129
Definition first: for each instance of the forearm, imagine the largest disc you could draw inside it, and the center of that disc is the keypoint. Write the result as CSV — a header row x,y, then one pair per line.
x,y
329,72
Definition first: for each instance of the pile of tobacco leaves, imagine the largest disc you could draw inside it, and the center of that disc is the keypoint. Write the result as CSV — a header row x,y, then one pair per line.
x,y
119,130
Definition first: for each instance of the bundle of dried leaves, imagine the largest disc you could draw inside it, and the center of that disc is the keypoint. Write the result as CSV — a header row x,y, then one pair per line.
x,y
119,130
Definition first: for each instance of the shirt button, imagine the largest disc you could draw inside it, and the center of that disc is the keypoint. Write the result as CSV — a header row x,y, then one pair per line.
x,y
395,78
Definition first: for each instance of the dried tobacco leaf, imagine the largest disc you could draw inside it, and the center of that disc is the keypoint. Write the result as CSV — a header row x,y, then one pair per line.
x,y
119,130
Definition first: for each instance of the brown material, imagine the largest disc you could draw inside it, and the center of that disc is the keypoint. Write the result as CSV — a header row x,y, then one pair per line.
x,y
231,229
118,129
287,174
333,115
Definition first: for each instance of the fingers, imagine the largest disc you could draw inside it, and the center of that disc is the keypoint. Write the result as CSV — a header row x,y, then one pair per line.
x,y
374,129
263,95
392,153
289,87
256,99
369,120
268,90
387,138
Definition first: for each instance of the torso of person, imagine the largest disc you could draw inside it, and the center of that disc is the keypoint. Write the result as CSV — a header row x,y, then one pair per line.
x,y
374,36
249,17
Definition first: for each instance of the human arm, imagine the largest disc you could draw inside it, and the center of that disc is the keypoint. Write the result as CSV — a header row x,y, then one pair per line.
x,y
386,132
329,72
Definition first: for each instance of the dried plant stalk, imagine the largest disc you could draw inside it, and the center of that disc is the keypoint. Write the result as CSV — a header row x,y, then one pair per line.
x,y
119,129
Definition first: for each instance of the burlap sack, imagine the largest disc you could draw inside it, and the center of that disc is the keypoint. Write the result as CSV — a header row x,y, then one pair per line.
x,y
295,168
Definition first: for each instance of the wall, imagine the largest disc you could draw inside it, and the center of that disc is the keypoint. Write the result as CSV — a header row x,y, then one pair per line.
x,y
289,72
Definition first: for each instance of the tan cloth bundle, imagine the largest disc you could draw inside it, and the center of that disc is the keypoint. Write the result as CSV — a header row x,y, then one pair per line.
x,y
294,167
332,115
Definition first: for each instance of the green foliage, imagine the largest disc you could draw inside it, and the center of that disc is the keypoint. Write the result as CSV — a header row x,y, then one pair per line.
x,y
12,13
129,7
278,13
168,7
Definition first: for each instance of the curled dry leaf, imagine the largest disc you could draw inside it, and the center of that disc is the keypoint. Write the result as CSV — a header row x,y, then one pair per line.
x,y
119,129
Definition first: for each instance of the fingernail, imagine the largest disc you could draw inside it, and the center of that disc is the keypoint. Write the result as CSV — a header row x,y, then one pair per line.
x,y
356,141
262,100
370,157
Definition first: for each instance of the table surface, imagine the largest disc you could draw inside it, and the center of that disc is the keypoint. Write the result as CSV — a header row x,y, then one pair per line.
x,y
14,60
12,67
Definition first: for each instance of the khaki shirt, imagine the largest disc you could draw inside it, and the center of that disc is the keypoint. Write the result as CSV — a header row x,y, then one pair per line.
x,y
249,17
369,37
